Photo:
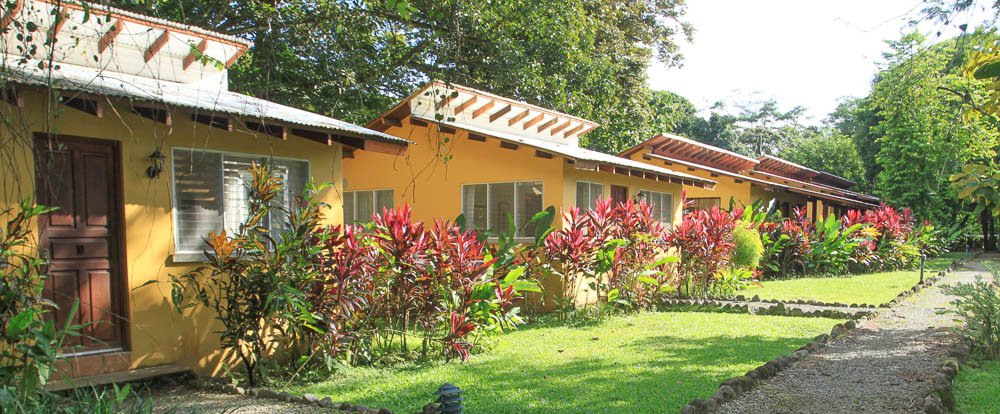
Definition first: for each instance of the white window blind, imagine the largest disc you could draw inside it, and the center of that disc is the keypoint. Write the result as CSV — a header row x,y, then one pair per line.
x,y
212,192
488,206
360,206
587,194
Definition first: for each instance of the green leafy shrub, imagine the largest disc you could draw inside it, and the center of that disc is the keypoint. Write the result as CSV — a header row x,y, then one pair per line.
x,y
979,306
748,249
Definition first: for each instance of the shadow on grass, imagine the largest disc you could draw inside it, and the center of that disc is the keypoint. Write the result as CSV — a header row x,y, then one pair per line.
x,y
653,374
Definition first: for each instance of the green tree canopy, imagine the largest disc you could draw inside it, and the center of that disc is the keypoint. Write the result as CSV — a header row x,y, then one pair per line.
x,y
830,151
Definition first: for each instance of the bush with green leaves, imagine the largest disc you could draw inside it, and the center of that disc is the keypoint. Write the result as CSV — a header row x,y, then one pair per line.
x,y
978,305
748,249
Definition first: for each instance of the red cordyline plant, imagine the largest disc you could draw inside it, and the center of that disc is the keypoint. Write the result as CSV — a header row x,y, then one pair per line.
x,y
392,279
704,239
617,250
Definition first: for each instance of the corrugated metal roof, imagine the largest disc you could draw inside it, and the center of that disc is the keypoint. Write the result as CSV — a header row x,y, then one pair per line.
x,y
174,94
577,153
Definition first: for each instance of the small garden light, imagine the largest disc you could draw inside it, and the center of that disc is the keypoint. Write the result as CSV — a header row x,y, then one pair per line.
x,y
923,258
449,399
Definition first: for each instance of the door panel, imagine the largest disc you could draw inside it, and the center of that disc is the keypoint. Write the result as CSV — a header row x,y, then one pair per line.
x,y
619,194
82,238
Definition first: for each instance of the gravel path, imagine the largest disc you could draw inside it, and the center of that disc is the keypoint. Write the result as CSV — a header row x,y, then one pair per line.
x,y
885,366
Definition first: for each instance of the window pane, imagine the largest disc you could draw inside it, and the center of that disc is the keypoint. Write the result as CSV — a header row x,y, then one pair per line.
x,y
501,206
198,198
529,203
667,208
582,195
236,172
596,191
349,217
383,200
365,208
474,206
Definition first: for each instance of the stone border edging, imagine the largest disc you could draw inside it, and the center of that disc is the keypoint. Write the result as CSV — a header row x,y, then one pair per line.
x,y
941,399
735,387
226,387
778,309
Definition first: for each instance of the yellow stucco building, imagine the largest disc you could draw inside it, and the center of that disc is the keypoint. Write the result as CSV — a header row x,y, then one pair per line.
x,y
487,156
144,149
742,180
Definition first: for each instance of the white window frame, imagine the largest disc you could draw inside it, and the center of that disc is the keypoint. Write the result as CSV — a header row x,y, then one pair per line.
x,y
489,198
373,191
182,256
670,216
589,184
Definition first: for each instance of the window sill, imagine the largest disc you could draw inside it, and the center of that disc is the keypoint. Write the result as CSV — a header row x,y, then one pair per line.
x,y
189,258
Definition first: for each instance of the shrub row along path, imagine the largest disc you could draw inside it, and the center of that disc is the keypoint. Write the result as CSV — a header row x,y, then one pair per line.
x,y
885,366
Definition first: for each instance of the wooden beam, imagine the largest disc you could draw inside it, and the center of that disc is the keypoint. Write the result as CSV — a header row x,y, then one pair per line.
x,y
214,121
573,131
444,101
161,115
60,19
560,127
513,120
109,37
482,109
193,55
465,105
94,107
533,121
503,111
11,14
391,122
276,131
155,47
542,127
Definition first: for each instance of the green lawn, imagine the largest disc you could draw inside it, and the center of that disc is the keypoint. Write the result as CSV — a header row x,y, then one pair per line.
x,y
647,363
871,288
977,389
943,261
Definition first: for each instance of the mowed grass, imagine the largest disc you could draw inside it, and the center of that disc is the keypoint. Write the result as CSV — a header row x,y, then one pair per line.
x,y
943,261
646,363
977,390
870,288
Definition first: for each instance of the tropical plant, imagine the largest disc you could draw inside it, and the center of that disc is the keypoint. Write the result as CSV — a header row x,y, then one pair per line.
x,y
978,305
704,239
730,280
619,251
256,281
748,248
831,247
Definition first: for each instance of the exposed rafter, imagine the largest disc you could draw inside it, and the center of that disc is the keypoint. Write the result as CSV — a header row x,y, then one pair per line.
x,y
560,127
155,47
465,105
483,109
503,111
533,121
109,36
572,131
11,13
516,118
195,53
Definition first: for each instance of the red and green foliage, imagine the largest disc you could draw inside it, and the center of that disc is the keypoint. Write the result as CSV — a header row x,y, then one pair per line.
x,y
618,250
704,239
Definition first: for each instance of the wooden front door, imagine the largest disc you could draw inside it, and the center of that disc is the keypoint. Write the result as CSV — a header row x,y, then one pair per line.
x,y
619,194
83,239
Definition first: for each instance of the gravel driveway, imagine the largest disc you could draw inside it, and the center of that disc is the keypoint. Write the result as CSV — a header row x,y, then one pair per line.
x,y
885,366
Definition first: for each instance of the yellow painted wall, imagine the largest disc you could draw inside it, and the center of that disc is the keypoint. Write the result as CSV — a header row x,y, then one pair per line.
x,y
725,190
634,184
432,186
159,335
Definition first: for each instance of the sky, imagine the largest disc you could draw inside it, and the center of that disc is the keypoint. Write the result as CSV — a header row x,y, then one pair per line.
x,y
808,53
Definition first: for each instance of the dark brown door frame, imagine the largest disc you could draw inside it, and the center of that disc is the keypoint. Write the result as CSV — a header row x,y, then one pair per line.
x,y
119,288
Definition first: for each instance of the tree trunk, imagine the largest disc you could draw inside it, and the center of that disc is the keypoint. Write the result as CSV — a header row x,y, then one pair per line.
x,y
988,225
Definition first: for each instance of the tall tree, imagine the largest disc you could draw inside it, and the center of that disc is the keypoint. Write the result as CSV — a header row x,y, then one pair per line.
x,y
922,135
353,58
